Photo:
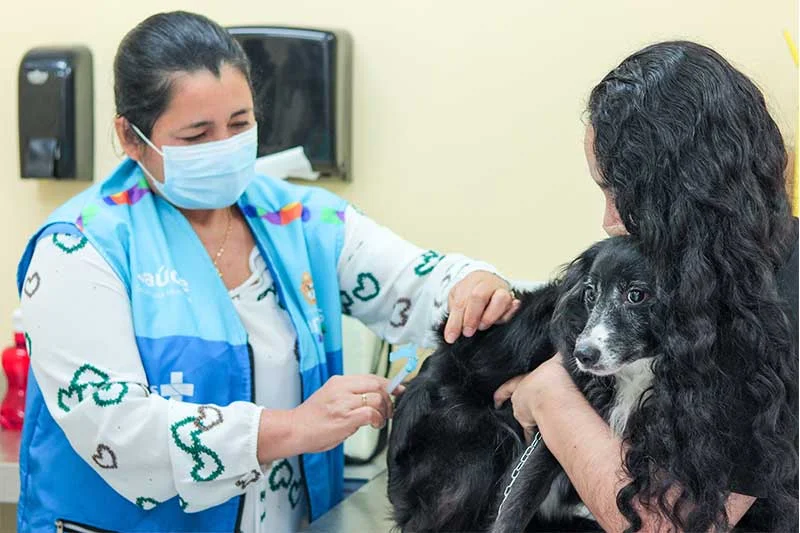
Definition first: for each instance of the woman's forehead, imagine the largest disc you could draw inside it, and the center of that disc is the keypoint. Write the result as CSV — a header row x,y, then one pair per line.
x,y
200,95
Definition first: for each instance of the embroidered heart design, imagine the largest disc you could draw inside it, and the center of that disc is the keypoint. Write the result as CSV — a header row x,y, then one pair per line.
x,y
400,312
208,416
146,504
183,434
110,393
347,302
281,476
105,457
428,262
294,493
441,298
88,375
69,398
207,464
32,284
248,478
69,243
367,287
270,289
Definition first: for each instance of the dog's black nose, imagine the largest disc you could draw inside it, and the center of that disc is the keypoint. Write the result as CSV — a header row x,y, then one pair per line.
x,y
587,355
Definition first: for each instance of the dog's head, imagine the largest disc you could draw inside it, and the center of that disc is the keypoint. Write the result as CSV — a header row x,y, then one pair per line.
x,y
603,317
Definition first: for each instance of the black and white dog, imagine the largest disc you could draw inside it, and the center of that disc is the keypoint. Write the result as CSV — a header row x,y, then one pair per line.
x,y
451,452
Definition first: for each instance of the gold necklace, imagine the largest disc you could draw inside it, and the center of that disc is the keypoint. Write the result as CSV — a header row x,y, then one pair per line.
x,y
224,242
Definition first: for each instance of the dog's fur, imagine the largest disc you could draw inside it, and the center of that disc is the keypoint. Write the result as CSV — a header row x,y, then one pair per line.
x,y
451,452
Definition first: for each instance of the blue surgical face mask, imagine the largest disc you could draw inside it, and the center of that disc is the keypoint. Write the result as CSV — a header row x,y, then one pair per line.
x,y
210,175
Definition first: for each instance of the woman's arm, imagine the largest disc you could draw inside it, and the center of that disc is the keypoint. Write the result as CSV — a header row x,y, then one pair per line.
x,y
401,291
583,443
86,362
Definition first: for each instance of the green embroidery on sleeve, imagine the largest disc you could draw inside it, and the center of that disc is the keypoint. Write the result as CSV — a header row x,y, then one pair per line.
x,y
69,247
281,476
88,375
427,263
110,393
106,393
347,302
294,493
367,287
145,503
207,464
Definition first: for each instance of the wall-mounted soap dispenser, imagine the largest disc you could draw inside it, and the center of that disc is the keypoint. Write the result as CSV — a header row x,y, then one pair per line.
x,y
301,81
56,116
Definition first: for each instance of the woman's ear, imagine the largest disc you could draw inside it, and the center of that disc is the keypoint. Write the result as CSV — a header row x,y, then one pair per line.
x,y
570,314
131,144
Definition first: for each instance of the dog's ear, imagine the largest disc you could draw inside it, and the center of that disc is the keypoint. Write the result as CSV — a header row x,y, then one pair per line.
x,y
570,315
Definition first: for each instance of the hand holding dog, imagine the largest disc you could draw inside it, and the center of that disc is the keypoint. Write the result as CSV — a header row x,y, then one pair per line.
x,y
528,392
477,302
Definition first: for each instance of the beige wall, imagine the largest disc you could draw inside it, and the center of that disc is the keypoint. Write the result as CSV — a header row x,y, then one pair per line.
x,y
467,115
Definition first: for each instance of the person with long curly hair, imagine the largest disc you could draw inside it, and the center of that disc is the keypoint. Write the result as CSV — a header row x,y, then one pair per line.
x,y
692,165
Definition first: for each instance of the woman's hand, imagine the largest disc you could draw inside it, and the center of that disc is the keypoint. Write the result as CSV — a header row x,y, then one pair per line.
x,y
476,302
330,415
527,391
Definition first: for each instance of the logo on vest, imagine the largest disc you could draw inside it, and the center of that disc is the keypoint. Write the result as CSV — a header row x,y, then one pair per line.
x,y
176,389
164,282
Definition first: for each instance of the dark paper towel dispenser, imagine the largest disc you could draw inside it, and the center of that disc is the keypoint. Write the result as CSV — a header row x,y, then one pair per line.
x,y
301,84
56,115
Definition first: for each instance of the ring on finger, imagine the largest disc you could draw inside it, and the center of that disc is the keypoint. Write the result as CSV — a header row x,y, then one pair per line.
x,y
363,399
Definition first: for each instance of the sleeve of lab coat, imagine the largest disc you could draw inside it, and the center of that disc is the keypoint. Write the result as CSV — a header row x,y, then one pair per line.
x,y
397,289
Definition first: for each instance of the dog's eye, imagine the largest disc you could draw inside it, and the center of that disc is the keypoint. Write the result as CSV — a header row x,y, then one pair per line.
x,y
589,295
636,296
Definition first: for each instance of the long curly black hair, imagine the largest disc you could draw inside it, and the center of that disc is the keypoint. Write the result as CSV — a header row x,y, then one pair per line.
x,y
695,163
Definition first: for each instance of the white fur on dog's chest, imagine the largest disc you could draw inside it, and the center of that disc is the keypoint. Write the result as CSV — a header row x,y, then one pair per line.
x,y
631,382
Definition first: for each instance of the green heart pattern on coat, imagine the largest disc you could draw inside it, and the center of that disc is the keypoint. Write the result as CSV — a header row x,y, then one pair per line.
x,y
69,244
269,290
367,287
207,465
281,476
294,493
427,262
145,503
262,496
104,392
347,303
110,393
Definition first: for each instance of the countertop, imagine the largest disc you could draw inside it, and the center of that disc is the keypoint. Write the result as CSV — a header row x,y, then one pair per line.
x,y
9,466
364,511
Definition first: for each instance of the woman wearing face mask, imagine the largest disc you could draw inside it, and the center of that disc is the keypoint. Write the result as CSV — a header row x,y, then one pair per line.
x,y
692,165
184,315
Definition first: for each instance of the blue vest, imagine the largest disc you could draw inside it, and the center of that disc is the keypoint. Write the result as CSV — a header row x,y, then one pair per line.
x,y
185,322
